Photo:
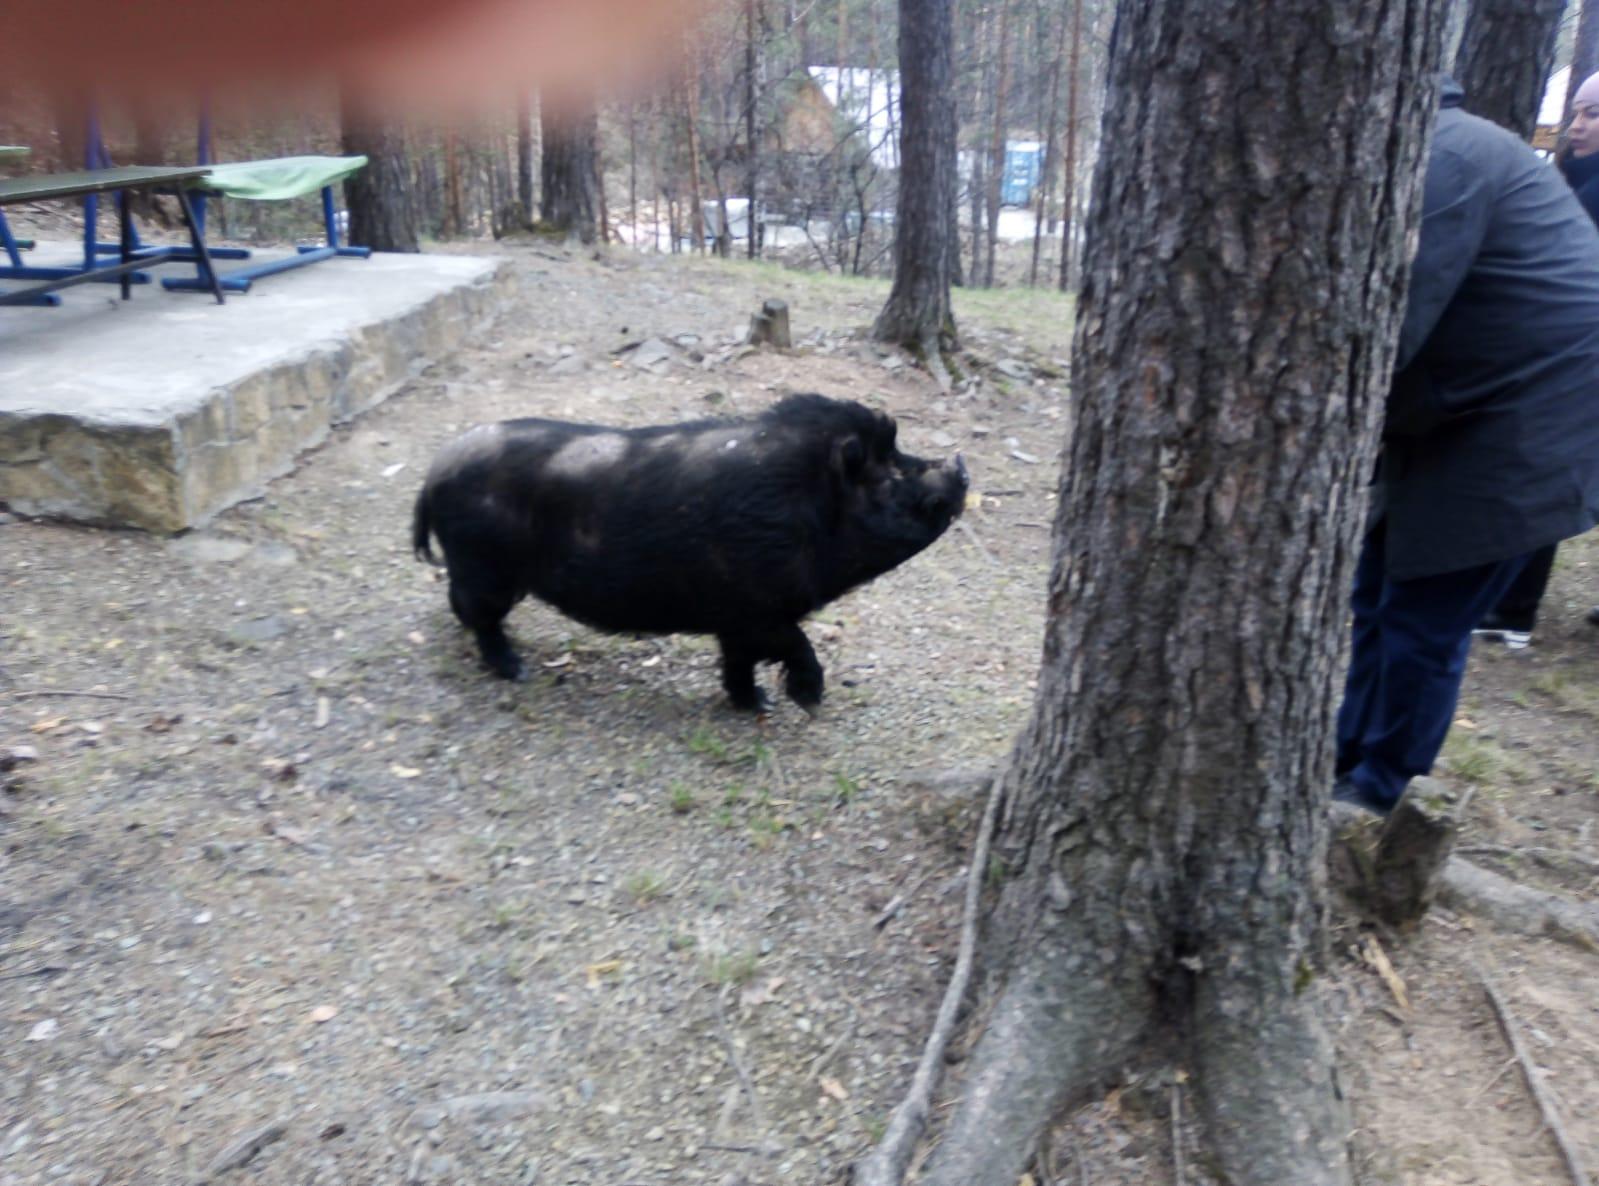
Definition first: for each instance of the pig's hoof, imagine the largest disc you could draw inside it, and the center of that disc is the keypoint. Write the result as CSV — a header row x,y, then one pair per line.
x,y
508,667
805,691
755,700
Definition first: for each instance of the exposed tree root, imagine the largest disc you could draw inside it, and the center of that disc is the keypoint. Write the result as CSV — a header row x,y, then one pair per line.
x,y
1266,1091
933,356
1061,1026
885,1164
1534,1079
1511,906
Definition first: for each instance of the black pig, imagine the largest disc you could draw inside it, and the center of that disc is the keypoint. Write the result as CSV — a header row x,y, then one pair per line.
x,y
737,528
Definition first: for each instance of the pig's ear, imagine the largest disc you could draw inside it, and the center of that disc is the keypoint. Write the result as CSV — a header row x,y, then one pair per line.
x,y
849,457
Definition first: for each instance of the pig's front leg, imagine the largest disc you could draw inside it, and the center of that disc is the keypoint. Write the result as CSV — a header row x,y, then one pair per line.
x,y
802,678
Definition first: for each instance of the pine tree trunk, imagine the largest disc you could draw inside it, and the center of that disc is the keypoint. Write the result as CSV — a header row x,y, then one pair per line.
x,y
691,103
379,198
524,155
752,147
1163,827
1046,191
1068,195
918,312
569,198
1506,52
996,147
1585,50
454,220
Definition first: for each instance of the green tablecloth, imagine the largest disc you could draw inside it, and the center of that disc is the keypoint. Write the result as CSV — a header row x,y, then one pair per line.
x,y
284,177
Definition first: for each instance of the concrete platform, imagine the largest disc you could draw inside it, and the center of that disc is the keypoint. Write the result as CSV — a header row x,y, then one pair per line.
x,y
160,411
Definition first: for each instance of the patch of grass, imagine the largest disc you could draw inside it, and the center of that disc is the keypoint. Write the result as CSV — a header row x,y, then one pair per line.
x,y
998,870
681,799
702,741
765,828
733,967
1482,762
1565,693
503,916
645,886
845,789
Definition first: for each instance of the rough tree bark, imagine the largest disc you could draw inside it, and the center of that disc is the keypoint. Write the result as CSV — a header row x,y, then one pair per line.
x,y
918,313
1046,191
382,207
1068,196
1163,829
996,143
524,155
1584,50
752,148
1506,52
568,197
691,107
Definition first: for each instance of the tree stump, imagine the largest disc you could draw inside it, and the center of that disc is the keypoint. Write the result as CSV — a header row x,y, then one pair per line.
x,y
769,327
1393,867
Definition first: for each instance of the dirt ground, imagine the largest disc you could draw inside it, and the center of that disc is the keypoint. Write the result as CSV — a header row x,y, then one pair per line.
x,y
291,891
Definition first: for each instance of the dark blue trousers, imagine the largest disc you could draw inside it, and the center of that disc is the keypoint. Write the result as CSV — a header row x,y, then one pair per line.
x,y
1406,664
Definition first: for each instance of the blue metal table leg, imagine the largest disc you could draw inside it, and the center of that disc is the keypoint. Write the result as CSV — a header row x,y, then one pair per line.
x,y
203,257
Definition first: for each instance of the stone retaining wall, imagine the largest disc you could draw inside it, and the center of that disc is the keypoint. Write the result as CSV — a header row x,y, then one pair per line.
x,y
225,444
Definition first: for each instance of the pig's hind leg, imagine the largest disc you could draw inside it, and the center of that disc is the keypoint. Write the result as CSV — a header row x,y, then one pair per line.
x,y
481,602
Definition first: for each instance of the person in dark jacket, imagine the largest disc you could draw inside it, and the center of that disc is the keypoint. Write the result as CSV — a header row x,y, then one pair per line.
x,y
1491,443
1513,619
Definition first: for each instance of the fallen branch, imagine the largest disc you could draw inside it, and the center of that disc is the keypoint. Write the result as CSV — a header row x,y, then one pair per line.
x,y
1534,1078
897,903
757,1113
885,1164
40,692
1177,1132
243,1150
966,529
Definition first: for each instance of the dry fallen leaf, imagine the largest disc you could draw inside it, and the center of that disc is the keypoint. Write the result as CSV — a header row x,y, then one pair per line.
x,y
404,771
324,1013
47,726
563,661
603,968
833,1088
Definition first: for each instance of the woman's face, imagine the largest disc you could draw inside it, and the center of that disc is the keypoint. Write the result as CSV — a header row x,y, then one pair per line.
x,y
1584,133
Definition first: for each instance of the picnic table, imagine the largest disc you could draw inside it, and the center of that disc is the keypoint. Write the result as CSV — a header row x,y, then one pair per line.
x,y
88,182
12,245
273,180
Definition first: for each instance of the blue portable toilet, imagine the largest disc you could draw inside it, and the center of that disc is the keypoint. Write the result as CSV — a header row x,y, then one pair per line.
x,y
1024,169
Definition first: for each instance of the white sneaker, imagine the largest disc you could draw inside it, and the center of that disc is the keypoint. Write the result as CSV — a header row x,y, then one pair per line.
x,y
1514,640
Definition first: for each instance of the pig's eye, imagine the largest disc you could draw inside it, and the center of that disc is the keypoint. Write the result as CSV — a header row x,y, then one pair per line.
x,y
852,457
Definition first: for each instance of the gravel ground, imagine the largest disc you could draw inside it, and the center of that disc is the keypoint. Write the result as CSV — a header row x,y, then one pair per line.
x,y
292,891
